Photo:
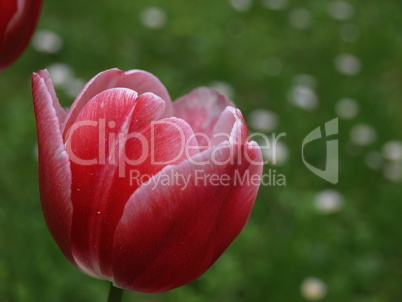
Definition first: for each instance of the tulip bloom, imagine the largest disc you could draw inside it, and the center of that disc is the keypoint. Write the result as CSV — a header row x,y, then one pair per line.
x,y
140,190
18,19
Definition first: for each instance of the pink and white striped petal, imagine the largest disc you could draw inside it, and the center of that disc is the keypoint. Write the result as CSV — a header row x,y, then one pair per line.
x,y
54,166
60,111
230,127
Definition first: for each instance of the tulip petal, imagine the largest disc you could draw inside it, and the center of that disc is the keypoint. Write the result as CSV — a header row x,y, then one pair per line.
x,y
230,127
171,233
16,28
101,181
60,111
54,166
201,108
87,144
142,81
8,10
137,80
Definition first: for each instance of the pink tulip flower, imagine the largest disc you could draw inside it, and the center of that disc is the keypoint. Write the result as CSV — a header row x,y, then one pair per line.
x,y
18,19
139,190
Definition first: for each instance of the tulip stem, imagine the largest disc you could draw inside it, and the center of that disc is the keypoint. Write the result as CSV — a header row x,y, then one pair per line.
x,y
115,294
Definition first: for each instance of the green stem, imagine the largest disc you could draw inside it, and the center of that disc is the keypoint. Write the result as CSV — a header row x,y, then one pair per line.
x,y
115,294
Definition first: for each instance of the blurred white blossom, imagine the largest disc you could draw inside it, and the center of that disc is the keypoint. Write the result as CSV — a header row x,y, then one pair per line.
x,y
347,64
224,88
303,97
313,289
241,5
305,80
393,171
392,150
328,201
347,108
153,17
263,120
74,87
60,73
300,18
363,135
46,41
340,10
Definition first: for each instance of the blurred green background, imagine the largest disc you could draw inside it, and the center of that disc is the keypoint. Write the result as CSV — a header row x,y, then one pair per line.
x,y
290,66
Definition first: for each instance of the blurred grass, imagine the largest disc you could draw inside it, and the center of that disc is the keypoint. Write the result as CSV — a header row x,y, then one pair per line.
x,y
356,252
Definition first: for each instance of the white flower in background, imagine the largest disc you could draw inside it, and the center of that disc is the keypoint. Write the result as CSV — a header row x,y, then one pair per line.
x,y
340,10
350,33
263,120
313,289
60,74
305,80
373,160
363,135
276,153
46,41
393,171
328,201
347,108
275,4
224,88
74,87
241,5
392,150
347,64
300,18
153,17
303,97
272,66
